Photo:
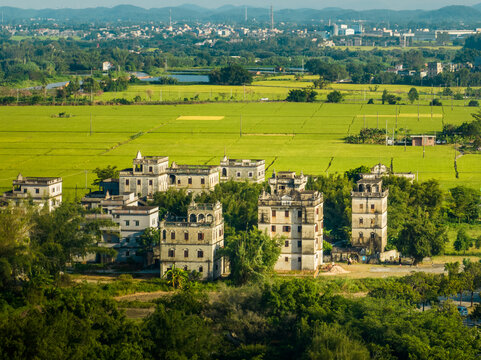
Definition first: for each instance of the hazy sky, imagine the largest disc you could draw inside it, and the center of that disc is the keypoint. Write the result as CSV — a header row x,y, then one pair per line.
x,y
319,4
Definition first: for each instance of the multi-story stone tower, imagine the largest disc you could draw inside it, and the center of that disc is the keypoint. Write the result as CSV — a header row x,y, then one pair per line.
x,y
193,243
369,215
297,215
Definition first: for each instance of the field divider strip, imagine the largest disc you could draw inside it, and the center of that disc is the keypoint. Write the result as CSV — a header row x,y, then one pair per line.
x,y
133,137
272,163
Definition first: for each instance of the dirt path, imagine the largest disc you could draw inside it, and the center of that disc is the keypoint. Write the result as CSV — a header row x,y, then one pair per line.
x,y
143,296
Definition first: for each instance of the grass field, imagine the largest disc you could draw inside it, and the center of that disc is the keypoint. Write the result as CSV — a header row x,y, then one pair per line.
x,y
307,137
275,88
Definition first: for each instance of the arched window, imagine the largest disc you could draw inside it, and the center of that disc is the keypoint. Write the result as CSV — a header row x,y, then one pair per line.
x,y
361,235
224,172
373,236
368,188
361,221
164,235
361,188
201,218
172,235
193,218
172,179
210,218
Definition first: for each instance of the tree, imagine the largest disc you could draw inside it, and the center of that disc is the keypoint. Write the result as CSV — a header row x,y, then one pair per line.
x,y
413,95
252,255
420,237
463,242
334,97
389,98
464,204
15,252
320,83
148,240
175,334
304,95
62,235
177,278
230,75
332,342
172,202
109,172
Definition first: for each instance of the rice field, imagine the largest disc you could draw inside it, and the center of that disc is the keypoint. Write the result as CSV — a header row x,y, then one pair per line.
x,y
289,136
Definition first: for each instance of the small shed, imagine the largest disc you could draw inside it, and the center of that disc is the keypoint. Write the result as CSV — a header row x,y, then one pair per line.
x,y
423,140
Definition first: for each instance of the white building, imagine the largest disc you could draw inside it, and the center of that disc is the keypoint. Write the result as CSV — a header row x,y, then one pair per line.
x,y
241,170
148,176
41,191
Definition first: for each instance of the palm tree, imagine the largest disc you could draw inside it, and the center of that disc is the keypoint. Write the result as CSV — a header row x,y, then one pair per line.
x,y
176,277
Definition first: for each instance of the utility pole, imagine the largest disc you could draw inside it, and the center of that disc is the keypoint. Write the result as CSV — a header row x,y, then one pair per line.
x,y
386,133
240,127
272,18
424,147
90,124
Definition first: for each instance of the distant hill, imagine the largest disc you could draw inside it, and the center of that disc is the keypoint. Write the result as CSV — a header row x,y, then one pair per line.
x,y
450,15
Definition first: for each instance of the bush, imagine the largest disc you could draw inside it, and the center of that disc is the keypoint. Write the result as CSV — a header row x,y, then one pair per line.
x,y
371,101
334,97
436,102
305,95
474,103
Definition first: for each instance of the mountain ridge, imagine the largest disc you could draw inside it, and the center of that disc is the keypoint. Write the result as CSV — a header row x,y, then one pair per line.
x,y
191,12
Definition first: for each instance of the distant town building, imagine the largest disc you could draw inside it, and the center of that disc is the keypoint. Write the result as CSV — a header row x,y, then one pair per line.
x,y
40,191
148,176
193,243
107,66
369,215
434,69
241,170
297,215
193,178
423,140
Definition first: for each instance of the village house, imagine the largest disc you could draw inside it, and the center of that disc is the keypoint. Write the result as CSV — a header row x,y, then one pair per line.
x,y
241,170
382,170
193,178
127,224
40,191
147,176
192,243
296,215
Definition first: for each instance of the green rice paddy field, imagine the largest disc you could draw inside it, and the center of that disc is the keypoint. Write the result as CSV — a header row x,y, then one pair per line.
x,y
307,137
